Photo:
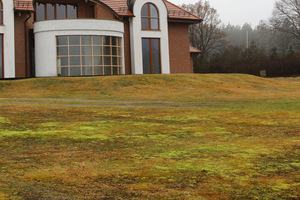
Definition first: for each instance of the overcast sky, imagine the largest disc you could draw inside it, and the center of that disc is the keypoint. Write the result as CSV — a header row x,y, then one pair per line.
x,y
238,12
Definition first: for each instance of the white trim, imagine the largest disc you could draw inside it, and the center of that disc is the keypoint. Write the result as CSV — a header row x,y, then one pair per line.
x,y
136,35
45,33
8,31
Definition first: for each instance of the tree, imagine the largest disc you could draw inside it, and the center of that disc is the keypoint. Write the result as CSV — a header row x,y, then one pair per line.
x,y
286,19
207,35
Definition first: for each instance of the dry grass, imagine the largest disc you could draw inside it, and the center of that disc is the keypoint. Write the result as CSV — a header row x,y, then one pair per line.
x,y
191,87
242,146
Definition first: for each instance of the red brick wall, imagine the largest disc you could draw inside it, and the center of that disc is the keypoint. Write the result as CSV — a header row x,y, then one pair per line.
x,y
103,13
192,61
21,71
179,44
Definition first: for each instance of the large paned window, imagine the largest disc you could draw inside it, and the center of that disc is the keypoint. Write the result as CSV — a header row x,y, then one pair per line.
x,y
48,11
89,55
151,56
1,57
1,12
150,17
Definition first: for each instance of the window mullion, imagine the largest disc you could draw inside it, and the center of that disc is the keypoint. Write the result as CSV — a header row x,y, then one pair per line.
x,y
149,16
111,60
92,42
69,59
80,44
102,54
151,56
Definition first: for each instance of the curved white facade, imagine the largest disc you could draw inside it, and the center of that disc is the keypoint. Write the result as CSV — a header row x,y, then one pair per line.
x,y
137,34
45,33
8,31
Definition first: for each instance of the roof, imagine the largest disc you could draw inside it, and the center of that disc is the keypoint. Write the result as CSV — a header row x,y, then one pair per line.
x,y
194,50
24,5
120,7
175,12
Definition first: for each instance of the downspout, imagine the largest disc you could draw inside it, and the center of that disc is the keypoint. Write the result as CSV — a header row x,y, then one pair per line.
x,y
26,46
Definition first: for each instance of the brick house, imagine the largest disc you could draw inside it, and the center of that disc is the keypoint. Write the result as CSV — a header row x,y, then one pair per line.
x,y
43,38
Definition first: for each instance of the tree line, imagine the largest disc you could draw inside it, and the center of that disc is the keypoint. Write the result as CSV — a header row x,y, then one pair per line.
x,y
270,49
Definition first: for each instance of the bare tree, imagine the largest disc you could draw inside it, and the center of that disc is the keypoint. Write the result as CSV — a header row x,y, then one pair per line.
x,y
206,36
286,19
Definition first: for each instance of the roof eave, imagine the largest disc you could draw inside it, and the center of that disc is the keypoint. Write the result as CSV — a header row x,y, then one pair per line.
x,y
187,21
21,10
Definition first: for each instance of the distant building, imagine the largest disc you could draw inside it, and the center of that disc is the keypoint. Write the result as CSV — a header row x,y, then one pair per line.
x,y
44,38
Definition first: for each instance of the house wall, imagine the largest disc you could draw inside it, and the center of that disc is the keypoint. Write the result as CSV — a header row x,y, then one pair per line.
x,y
7,29
180,58
174,37
21,70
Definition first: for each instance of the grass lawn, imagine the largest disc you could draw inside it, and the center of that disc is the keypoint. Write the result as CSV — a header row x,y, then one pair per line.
x,y
214,136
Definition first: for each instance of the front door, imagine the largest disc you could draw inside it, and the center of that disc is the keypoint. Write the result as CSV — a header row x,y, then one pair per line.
x,y
151,56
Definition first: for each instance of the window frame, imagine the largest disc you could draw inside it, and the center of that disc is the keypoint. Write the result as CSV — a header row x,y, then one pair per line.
x,y
55,10
149,17
2,54
1,12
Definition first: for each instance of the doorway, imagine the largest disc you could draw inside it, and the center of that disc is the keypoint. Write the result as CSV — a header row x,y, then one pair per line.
x,y
151,56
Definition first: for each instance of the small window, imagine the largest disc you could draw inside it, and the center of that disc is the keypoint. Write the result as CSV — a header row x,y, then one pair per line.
x,y
150,17
1,12
92,12
50,11
61,12
40,11
71,11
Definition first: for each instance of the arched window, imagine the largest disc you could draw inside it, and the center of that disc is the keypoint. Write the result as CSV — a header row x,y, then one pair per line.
x,y
150,17
1,12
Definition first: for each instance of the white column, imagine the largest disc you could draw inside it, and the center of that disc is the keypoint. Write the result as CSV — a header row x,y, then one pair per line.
x,y
8,31
136,35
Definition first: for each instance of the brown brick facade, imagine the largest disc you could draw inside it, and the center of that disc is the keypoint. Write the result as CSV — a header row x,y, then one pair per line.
x,y
179,48
20,67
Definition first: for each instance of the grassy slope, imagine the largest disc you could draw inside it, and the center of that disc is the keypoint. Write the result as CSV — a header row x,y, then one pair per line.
x,y
155,87
235,149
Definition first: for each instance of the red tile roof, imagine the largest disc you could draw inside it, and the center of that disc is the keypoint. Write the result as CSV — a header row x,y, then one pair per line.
x,y
194,50
24,5
175,12
120,7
